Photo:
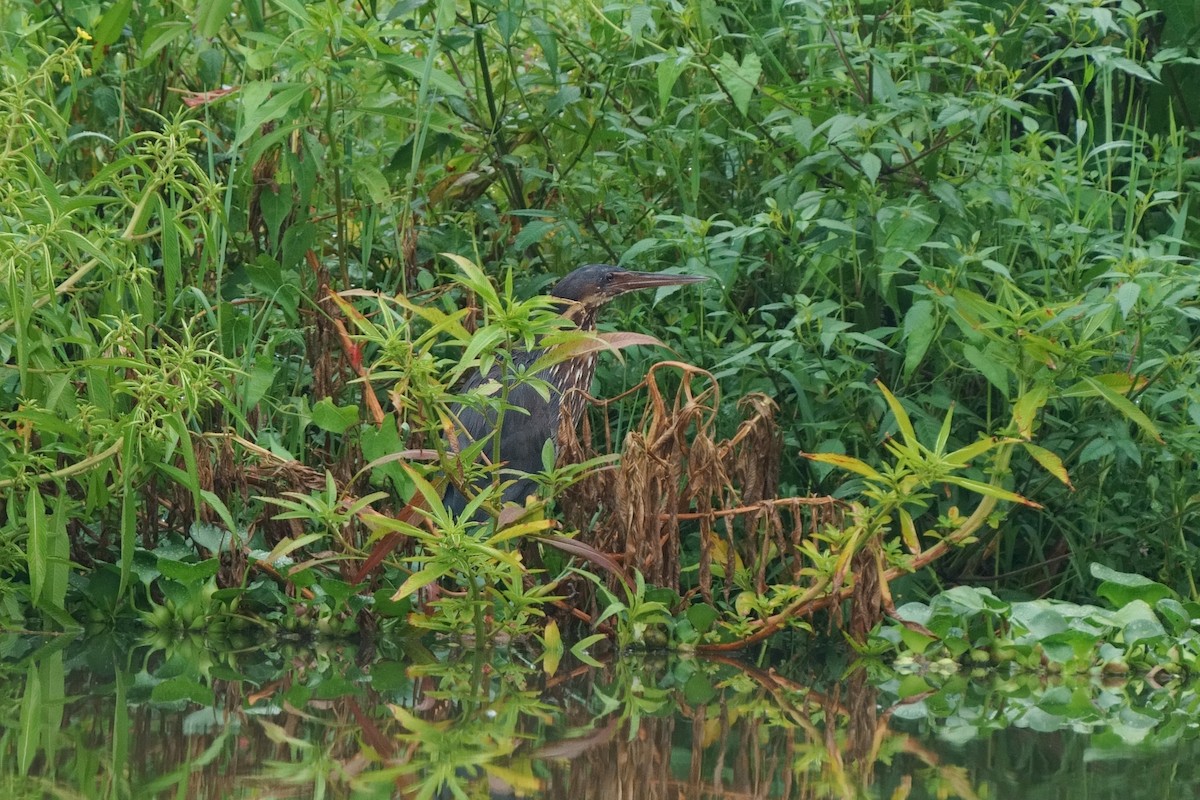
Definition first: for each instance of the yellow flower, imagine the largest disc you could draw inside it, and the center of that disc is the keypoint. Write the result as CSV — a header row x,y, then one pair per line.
x,y
82,34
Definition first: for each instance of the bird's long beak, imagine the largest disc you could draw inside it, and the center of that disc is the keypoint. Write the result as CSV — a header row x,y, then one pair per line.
x,y
632,281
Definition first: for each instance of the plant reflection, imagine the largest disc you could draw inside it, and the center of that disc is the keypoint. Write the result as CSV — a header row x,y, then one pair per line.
x,y
405,721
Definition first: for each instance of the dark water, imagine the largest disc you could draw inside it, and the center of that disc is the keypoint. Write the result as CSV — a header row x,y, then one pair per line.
x,y
101,717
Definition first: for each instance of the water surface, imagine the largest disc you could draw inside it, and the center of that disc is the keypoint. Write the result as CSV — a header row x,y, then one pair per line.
x,y
102,717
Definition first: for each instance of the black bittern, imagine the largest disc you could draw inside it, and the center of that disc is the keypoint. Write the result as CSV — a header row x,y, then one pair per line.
x,y
532,419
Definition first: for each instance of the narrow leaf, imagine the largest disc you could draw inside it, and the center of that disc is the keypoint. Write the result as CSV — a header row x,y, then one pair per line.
x,y
419,580
902,421
554,648
908,532
1125,406
1050,462
37,551
990,490
848,463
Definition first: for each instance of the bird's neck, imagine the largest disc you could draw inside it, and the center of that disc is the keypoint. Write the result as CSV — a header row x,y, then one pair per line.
x,y
582,314
573,377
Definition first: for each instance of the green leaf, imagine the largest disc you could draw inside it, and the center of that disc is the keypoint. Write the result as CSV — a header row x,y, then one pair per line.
x,y
374,182
263,102
333,418
37,549
991,490
1050,462
439,80
915,640
668,72
919,330
210,15
849,463
54,593
871,166
112,23
639,18
1138,621
698,690
903,423
419,580
28,730
1127,296
259,381
580,649
1120,402
1175,614
554,648
533,233
992,369
1026,408
182,688
912,686
739,79
188,573
702,616
1122,588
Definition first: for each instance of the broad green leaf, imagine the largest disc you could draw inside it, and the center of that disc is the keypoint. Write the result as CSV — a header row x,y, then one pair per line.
x,y
870,166
915,640
668,72
702,616
1122,588
209,16
739,79
1127,296
996,372
1026,408
182,688
1138,622
189,573
333,418
264,102
919,330
109,28
698,689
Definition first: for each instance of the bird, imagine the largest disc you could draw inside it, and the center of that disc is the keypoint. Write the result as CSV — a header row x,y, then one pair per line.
x,y
533,419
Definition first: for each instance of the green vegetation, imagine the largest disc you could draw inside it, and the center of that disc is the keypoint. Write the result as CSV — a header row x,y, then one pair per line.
x,y
1149,630
229,343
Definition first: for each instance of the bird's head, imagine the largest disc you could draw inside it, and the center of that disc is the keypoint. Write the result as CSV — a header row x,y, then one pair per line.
x,y
593,285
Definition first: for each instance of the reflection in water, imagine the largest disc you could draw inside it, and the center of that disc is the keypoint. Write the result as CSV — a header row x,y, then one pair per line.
x,y
96,718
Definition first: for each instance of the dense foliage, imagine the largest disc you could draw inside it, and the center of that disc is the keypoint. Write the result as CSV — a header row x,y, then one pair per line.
x,y
984,205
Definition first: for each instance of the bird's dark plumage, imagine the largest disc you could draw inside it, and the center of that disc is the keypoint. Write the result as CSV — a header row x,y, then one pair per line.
x,y
531,419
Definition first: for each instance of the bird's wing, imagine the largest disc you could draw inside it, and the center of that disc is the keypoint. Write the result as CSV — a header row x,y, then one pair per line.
x,y
525,426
